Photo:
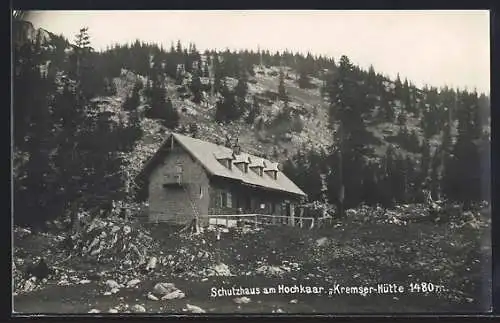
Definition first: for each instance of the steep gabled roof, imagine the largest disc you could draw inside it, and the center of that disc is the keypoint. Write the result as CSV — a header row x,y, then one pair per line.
x,y
206,153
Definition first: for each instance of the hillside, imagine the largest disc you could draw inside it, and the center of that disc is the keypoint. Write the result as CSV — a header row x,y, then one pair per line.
x,y
401,121
313,109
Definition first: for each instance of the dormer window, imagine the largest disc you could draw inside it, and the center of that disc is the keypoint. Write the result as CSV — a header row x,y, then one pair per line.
x,y
272,170
225,159
259,170
272,173
242,163
258,167
226,162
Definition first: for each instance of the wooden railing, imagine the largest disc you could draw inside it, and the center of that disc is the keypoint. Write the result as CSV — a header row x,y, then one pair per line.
x,y
230,220
261,219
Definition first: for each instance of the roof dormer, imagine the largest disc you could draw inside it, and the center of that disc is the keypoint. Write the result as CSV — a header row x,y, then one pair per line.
x,y
236,148
272,170
257,165
226,159
242,163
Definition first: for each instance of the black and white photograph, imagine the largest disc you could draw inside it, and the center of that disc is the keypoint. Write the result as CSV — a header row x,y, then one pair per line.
x,y
187,162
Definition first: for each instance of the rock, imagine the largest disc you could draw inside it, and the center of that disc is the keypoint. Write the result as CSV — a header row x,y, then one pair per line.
x,y
173,295
194,309
294,301
127,229
321,241
151,263
222,270
63,282
164,288
152,297
351,212
270,270
29,285
133,283
84,281
242,300
114,290
112,284
107,293
24,231
113,310
94,311
138,309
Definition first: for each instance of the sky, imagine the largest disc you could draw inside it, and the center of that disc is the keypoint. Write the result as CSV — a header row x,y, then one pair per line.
x,y
436,48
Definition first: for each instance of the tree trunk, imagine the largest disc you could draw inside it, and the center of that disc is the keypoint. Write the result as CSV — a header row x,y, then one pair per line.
x,y
341,173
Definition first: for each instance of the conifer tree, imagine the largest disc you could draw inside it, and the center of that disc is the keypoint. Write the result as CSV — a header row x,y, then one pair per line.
x,y
398,88
196,88
464,167
253,112
407,101
218,74
241,88
304,80
33,137
206,72
348,109
282,95
226,108
386,112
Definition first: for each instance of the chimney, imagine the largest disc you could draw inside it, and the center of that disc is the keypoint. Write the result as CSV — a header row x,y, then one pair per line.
x,y
236,148
228,142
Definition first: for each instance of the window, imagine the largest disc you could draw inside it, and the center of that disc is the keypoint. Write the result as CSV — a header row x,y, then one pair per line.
x,y
225,199
222,199
277,209
229,199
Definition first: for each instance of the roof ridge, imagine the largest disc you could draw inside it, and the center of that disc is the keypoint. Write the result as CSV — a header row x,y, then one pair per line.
x,y
224,147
